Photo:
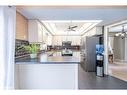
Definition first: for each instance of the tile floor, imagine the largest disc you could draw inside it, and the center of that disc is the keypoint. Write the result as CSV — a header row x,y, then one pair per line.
x,y
88,80
118,70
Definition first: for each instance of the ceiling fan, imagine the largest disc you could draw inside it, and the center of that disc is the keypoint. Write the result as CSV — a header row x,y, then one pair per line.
x,y
72,27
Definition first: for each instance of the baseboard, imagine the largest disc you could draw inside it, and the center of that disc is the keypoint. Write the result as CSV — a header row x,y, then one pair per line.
x,y
118,60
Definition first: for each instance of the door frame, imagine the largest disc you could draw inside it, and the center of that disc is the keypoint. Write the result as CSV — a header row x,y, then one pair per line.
x,y
106,40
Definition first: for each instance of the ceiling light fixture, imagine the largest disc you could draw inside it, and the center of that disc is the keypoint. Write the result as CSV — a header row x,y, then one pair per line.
x,y
122,34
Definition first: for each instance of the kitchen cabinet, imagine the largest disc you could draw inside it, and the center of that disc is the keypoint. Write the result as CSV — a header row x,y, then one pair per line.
x,y
57,40
21,27
35,31
45,35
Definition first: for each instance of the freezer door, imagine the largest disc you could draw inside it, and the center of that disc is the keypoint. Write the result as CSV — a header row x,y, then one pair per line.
x,y
90,61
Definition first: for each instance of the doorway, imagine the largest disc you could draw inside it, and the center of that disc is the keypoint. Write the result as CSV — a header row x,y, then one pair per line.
x,y
117,58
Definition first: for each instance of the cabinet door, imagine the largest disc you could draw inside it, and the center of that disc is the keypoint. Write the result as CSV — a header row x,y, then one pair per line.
x,y
40,32
34,31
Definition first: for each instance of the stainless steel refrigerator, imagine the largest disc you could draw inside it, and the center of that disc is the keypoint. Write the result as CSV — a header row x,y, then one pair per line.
x,y
88,53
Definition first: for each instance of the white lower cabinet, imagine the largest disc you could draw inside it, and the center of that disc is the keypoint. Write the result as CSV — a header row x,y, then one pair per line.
x,y
47,76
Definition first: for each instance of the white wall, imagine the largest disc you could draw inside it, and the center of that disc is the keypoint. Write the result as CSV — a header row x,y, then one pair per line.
x,y
93,31
90,32
119,48
57,40
118,44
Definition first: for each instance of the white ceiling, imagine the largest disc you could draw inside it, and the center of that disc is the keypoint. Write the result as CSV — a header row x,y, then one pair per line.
x,y
61,27
106,14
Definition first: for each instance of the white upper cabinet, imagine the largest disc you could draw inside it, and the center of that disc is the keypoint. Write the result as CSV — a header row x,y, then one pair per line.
x,y
35,31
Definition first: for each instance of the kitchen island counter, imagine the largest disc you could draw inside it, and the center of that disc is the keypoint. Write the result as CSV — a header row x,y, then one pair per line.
x,y
50,71
50,58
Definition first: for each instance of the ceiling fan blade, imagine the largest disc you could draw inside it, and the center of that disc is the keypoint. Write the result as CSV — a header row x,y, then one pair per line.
x,y
74,26
71,30
71,27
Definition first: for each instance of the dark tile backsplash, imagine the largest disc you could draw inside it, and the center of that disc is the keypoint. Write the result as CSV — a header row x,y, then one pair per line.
x,y
20,51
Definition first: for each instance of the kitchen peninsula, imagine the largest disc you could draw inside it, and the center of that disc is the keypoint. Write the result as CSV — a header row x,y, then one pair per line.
x,y
49,70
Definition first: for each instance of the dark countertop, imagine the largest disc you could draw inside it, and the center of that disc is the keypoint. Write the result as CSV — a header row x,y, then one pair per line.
x,y
50,58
